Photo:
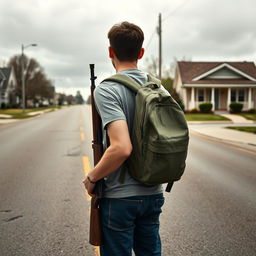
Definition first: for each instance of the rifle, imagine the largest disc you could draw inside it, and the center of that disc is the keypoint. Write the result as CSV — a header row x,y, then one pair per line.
x,y
95,237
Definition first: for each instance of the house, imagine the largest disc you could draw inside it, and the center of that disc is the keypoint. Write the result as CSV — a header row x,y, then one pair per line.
x,y
7,87
217,82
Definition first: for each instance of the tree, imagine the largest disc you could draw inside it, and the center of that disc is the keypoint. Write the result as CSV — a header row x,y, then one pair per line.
x,y
88,100
79,98
167,79
152,66
37,85
61,99
167,83
70,99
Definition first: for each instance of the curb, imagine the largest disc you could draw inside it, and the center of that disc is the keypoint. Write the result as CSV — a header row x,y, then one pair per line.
x,y
12,121
251,148
210,122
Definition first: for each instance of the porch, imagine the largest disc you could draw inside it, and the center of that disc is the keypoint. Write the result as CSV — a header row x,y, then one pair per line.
x,y
219,97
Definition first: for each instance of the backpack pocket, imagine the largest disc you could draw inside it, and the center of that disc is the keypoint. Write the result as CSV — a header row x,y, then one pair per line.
x,y
164,161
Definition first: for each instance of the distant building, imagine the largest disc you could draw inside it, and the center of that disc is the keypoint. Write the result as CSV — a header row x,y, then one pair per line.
x,y
217,82
7,87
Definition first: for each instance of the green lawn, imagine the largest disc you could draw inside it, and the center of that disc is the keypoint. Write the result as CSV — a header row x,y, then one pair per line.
x,y
205,117
18,113
243,128
249,116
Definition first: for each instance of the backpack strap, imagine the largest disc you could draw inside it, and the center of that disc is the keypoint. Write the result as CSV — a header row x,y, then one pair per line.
x,y
125,80
154,80
132,84
169,186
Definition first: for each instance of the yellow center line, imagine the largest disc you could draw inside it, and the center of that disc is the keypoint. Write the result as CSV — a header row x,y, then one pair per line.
x,y
86,169
81,128
96,250
86,164
82,136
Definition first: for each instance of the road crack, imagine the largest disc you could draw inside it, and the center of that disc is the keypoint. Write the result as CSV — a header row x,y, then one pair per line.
x,y
74,151
5,210
14,218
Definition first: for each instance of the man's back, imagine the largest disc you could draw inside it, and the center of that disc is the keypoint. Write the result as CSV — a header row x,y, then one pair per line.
x,y
114,102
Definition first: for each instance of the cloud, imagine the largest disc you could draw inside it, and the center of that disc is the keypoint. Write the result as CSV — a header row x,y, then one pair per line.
x,y
72,34
215,30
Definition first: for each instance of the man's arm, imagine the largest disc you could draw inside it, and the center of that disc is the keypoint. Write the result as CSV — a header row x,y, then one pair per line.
x,y
119,150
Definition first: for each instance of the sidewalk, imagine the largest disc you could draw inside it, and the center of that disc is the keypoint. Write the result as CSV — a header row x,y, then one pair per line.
x,y
237,119
217,131
222,133
6,119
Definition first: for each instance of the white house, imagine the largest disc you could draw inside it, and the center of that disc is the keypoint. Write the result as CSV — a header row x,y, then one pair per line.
x,y
7,86
217,82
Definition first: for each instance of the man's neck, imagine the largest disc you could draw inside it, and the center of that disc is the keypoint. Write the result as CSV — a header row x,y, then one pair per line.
x,y
126,65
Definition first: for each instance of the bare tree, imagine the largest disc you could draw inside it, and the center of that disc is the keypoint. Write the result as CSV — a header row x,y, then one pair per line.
x,y
38,86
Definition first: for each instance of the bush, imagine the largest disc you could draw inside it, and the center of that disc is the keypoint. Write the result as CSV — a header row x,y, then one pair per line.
x,y
3,105
252,111
235,107
194,111
205,107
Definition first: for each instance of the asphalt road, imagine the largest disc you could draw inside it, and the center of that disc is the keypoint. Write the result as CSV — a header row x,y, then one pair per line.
x,y
44,208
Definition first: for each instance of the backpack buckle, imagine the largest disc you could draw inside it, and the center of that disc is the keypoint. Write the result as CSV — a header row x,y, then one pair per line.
x,y
153,86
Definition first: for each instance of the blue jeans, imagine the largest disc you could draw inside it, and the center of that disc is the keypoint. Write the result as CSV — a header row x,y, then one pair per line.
x,y
131,223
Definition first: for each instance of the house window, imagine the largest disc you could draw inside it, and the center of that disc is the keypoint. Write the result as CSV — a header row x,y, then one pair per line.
x,y
241,95
233,95
201,95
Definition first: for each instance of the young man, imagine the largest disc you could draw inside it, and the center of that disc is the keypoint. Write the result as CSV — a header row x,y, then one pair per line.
x,y
129,210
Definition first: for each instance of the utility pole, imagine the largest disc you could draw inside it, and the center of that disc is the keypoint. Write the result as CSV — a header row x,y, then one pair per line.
x,y
1,83
23,75
23,79
159,31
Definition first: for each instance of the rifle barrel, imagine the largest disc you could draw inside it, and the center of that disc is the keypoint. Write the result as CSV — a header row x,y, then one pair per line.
x,y
97,133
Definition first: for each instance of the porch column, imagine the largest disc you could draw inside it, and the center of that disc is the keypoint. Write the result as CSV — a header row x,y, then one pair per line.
x,y
229,98
193,97
212,99
0,95
185,100
250,98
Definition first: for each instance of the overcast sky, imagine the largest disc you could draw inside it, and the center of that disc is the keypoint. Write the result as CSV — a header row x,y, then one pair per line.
x,y
73,33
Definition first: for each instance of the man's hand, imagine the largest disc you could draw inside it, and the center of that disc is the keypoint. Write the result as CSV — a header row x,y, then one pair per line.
x,y
89,187
119,150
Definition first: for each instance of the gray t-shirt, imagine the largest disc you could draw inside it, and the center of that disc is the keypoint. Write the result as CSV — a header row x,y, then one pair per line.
x,y
116,102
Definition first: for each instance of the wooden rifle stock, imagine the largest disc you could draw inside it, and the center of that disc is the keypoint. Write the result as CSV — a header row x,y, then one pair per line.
x,y
95,237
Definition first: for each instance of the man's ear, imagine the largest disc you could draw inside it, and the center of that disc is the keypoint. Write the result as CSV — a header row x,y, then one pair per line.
x,y
111,52
142,50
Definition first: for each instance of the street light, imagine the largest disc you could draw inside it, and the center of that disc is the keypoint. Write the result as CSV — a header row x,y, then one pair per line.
x,y
22,73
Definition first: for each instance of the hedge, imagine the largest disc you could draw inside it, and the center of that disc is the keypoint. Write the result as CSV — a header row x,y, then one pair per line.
x,y
236,107
205,107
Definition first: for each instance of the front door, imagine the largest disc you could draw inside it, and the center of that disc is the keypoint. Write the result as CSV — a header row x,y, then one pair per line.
x,y
217,98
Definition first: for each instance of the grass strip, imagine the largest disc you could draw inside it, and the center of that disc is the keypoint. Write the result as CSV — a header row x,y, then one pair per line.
x,y
205,117
251,129
18,113
248,116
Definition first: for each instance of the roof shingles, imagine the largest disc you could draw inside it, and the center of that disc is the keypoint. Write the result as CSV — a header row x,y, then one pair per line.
x,y
6,72
189,70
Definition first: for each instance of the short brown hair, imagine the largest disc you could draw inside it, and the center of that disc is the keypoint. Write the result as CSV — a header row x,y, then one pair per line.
x,y
126,39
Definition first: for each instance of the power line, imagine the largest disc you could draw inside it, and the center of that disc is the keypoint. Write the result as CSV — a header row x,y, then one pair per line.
x,y
150,39
176,9
168,16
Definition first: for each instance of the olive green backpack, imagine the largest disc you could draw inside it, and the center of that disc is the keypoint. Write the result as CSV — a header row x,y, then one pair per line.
x,y
160,134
